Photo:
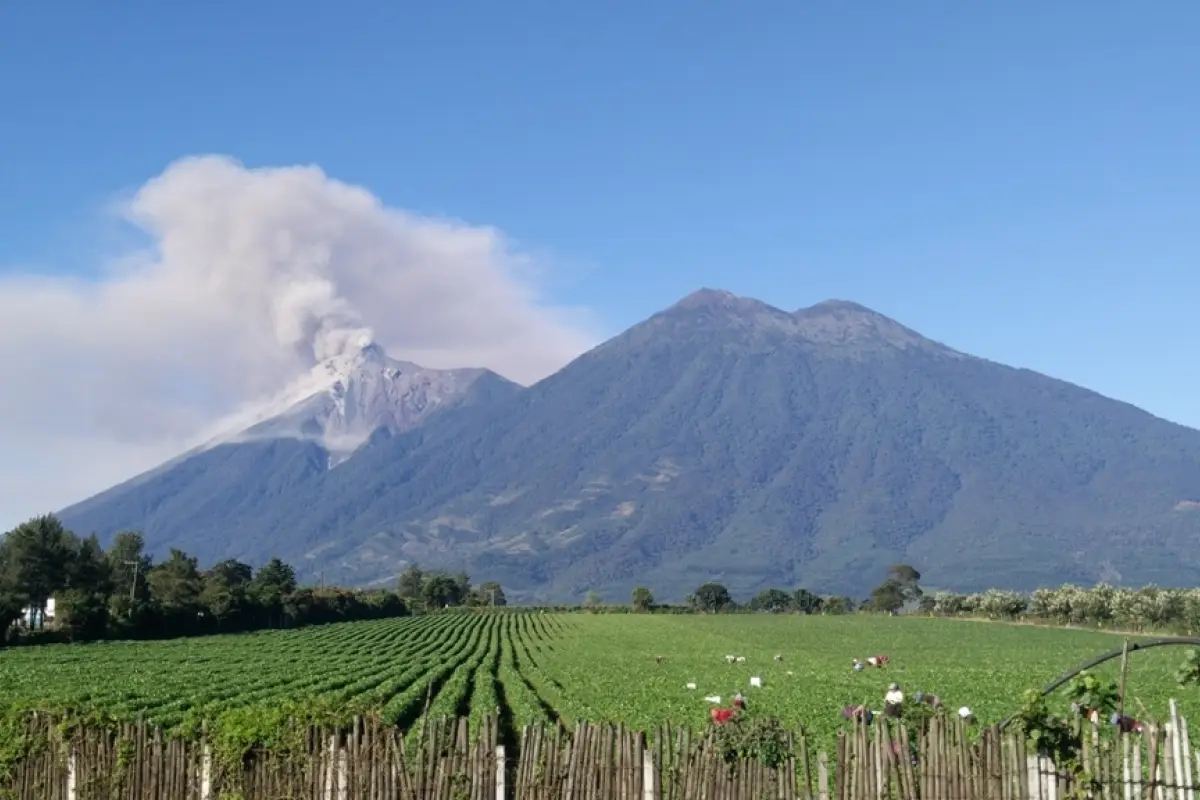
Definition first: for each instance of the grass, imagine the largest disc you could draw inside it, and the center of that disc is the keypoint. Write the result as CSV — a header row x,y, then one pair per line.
x,y
580,666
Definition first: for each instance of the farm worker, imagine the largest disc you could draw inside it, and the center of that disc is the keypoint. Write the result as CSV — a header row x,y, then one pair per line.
x,y
720,716
928,699
893,701
1127,724
739,702
858,713
1092,714
858,667
878,661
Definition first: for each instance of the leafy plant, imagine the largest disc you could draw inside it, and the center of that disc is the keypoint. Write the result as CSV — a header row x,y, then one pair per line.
x,y
758,738
1048,734
1089,694
1189,670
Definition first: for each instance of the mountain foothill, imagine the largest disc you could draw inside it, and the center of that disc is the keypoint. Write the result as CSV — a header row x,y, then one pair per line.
x,y
721,439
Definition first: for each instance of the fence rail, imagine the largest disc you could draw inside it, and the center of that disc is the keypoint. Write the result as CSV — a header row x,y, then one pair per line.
x,y
947,760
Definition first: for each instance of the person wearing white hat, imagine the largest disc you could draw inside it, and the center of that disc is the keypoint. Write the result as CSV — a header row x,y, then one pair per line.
x,y
893,701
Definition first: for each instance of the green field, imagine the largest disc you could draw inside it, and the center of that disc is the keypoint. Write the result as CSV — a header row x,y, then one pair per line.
x,y
541,667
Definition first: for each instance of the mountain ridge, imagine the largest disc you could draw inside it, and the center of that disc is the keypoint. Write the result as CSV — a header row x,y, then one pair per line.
x,y
724,438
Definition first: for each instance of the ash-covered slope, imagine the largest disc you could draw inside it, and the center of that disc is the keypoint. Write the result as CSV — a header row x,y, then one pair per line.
x,y
726,439
346,399
282,445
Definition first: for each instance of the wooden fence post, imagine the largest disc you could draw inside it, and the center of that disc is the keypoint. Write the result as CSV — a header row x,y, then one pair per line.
x,y
501,791
71,795
331,768
647,775
343,774
205,771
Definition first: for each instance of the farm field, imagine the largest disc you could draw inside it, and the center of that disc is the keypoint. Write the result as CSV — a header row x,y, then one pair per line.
x,y
540,667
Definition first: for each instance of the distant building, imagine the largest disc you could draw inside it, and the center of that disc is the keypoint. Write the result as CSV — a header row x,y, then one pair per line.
x,y
29,615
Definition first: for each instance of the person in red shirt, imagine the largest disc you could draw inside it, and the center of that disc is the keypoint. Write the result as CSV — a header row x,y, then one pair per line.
x,y
720,716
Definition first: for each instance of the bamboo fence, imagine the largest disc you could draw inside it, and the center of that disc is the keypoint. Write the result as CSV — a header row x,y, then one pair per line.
x,y
948,760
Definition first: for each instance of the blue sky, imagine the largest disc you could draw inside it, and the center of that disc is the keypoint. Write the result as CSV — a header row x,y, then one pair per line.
x,y
1020,180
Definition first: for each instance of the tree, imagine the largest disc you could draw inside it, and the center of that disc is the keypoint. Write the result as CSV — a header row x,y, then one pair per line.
x,y
11,607
907,578
888,596
175,589
128,568
772,600
382,603
411,586
592,600
82,608
712,597
837,605
490,593
641,599
273,582
441,590
464,586
39,554
224,591
81,614
12,602
88,570
806,602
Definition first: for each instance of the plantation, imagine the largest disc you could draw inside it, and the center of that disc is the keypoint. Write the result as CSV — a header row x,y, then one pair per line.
x,y
546,667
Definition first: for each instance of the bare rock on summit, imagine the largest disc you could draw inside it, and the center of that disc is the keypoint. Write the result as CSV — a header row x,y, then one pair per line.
x,y
347,399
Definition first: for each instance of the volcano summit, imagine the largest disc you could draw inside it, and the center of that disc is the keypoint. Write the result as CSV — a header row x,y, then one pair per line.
x,y
721,439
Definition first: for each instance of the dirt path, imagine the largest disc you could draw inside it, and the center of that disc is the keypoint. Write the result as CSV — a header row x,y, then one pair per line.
x,y
1016,623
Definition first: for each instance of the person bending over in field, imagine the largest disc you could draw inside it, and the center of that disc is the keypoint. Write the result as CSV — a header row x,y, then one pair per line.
x,y
858,714
721,716
874,661
893,701
1127,724
928,699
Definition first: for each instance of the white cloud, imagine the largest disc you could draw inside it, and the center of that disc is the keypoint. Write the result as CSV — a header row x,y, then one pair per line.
x,y
253,274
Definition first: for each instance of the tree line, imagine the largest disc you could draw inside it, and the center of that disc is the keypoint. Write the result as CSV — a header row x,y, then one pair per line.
x,y
899,588
1150,608
426,591
122,593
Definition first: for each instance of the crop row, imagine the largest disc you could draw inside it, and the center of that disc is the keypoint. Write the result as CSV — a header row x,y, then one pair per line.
x,y
544,668
399,669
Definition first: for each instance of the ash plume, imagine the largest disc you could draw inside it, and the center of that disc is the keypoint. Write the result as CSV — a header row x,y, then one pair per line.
x,y
251,276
